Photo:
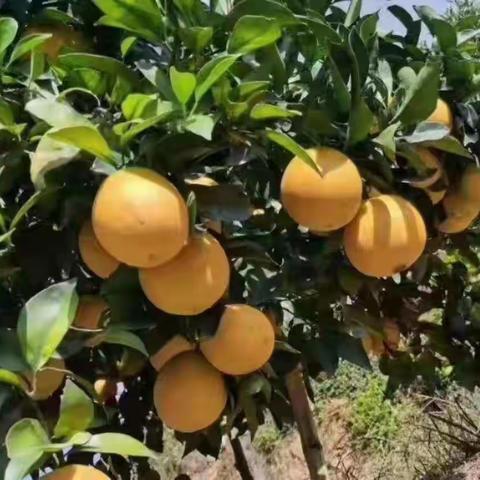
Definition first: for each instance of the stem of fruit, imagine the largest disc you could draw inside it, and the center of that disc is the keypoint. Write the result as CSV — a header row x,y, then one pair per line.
x,y
307,426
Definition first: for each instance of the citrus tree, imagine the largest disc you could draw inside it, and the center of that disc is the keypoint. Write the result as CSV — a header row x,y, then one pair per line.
x,y
207,204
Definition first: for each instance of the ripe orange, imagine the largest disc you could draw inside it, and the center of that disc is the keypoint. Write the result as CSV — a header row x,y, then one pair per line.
x,y
64,39
322,203
442,114
243,342
213,225
387,236
392,334
189,394
193,281
140,218
431,162
461,213
175,346
76,472
48,380
90,311
470,184
373,345
105,388
93,254
436,196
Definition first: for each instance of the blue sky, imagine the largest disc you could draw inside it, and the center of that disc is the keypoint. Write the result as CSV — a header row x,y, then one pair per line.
x,y
388,21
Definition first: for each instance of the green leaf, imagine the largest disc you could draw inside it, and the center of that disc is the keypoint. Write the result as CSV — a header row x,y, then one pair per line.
x,y
421,98
444,31
76,411
44,321
124,337
8,32
27,44
19,467
342,93
267,8
57,114
251,33
212,72
50,154
11,357
196,38
86,138
427,132
11,378
353,12
127,44
246,89
449,144
322,30
25,208
467,35
386,140
138,105
292,146
183,84
143,18
201,125
115,68
368,27
117,444
264,111
25,437
146,124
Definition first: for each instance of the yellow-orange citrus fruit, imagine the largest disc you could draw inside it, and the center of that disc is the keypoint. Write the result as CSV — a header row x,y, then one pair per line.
x,y
470,184
189,394
243,342
431,162
140,218
373,345
77,472
213,225
460,212
193,281
436,196
386,237
90,311
63,37
322,203
175,346
392,334
48,380
105,388
93,254
442,114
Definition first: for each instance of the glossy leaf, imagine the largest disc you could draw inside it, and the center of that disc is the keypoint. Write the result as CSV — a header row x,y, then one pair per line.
x,y
212,72
8,32
27,44
44,321
263,111
201,125
76,411
124,337
25,437
57,114
253,32
183,84
117,444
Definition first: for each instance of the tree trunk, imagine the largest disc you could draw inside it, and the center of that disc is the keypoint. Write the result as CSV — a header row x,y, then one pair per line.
x,y
241,462
312,448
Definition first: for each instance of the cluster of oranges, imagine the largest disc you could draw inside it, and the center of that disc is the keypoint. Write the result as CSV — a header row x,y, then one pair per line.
x,y
385,234
140,219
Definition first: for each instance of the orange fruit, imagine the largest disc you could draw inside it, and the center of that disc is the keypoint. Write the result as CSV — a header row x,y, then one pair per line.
x,y
213,225
386,237
140,218
93,254
47,380
442,114
76,472
461,213
436,196
90,312
193,281
392,334
431,162
244,341
105,388
373,345
470,184
189,394
64,39
175,346
322,203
